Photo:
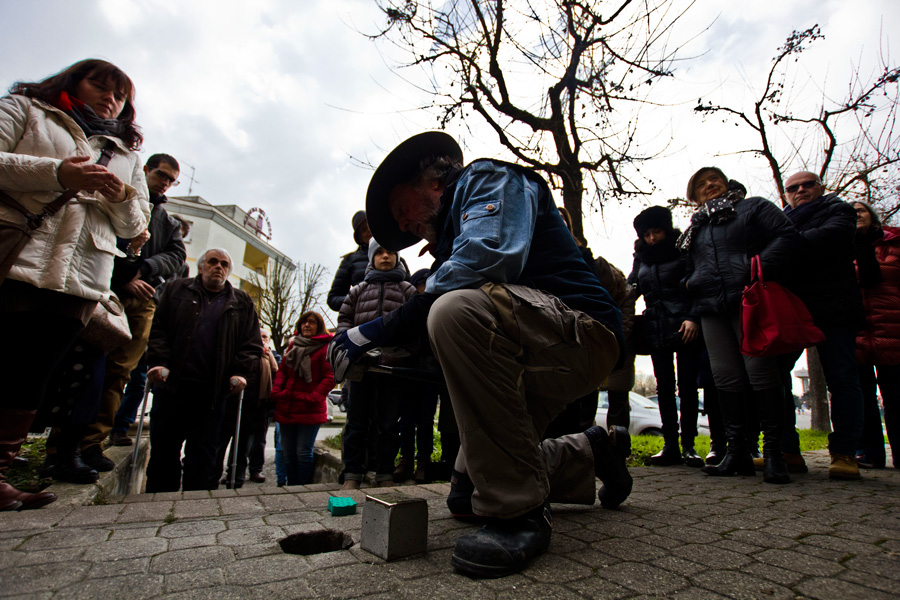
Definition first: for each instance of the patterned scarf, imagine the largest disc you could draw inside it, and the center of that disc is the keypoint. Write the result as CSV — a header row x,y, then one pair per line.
x,y
715,211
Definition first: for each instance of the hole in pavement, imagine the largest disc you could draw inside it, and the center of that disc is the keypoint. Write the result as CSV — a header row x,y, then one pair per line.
x,y
315,542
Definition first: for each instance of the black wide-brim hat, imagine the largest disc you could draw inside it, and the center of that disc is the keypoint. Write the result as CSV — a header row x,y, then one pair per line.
x,y
397,167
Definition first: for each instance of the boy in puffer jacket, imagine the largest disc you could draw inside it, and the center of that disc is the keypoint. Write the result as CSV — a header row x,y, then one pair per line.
x,y
375,397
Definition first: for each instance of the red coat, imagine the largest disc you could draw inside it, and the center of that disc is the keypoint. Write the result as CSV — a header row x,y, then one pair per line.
x,y
298,402
879,342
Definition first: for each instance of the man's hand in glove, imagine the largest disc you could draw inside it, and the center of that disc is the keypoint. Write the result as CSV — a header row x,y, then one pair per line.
x,y
349,346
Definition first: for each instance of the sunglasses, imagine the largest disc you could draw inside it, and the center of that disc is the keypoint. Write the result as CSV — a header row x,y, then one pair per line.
x,y
793,189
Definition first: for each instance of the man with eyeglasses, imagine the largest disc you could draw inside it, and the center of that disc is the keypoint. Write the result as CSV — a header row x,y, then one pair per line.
x,y
826,281
204,344
148,261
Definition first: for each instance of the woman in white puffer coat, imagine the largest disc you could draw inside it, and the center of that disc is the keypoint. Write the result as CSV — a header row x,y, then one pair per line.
x,y
51,135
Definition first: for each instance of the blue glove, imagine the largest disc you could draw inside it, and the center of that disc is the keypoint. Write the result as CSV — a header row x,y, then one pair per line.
x,y
349,346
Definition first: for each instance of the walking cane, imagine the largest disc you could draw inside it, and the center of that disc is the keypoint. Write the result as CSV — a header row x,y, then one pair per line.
x,y
237,433
140,427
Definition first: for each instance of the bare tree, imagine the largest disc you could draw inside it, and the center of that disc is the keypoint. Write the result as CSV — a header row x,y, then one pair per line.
x,y
852,144
277,301
310,279
560,82
644,384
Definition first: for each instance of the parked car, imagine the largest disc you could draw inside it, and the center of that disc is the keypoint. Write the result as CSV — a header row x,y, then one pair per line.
x,y
645,418
334,396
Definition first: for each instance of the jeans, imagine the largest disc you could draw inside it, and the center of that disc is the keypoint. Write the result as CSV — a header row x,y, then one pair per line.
x,y
417,409
297,446
375,398
838,356
133,397
888,381
733,371
688,363
280,470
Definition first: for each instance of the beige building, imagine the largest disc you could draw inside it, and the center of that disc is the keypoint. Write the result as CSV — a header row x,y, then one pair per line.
x,y
244,235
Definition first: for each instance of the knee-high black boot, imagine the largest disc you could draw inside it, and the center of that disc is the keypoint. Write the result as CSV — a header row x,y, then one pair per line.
x,y
769,405
69,466
717,443
737,459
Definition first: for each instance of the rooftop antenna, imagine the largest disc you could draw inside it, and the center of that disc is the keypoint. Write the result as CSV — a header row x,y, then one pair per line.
x,y
192,180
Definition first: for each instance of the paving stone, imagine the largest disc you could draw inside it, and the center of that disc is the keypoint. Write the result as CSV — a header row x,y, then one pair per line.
x,y
38,578
630,549
217,592
740,586
885,565
712,556
315,499
66,538
117,567
188,509
179,561
443,586
827,589
126,549
785,577
256,550
242,522
45,557
191,528
193,541
281,502
129,533
596,587
240,506
265,569
222,493
644,578
882,584
36,520
134,586
195,495
84,516
362,579
137,498
145,511
552,568
167,496
803,563
539,590
190,580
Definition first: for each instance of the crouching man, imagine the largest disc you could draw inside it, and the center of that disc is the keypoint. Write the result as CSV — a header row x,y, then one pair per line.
x,y
521,327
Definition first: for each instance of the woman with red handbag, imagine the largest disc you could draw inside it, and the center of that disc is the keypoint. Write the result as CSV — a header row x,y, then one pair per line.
x,y
726,231
67,157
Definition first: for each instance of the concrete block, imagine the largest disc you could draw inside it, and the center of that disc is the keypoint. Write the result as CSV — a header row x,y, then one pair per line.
x,y
394,526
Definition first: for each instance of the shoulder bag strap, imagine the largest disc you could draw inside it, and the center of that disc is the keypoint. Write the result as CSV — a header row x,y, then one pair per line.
x,y
34,220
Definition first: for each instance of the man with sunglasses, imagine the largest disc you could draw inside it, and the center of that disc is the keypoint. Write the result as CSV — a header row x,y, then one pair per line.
x,y
826,281
146,265
204,344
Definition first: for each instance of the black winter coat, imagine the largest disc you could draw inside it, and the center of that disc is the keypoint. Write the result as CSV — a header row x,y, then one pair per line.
x,y
239,347
719,256
161,258
350,272
826,275
658,275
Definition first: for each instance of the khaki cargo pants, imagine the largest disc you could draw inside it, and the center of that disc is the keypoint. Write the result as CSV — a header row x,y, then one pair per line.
x,y
513,358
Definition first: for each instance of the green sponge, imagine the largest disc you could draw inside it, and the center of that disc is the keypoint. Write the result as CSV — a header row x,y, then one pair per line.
x,y
339,506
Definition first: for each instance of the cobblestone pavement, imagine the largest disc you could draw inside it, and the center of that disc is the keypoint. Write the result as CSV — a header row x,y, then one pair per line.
x,y
680,535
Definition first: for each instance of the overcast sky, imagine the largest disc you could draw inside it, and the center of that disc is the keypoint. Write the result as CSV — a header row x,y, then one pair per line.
x,y
269,100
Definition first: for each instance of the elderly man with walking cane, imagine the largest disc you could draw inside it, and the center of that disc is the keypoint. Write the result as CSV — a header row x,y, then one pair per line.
x,y
204,344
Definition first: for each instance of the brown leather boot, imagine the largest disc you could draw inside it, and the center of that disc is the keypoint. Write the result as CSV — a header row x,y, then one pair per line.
x,y
13,428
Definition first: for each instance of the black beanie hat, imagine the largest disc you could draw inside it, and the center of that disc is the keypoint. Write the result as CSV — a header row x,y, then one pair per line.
x,y
655,216
357,221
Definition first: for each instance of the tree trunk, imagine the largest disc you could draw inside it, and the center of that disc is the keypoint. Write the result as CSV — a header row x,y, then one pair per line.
x,y
820,418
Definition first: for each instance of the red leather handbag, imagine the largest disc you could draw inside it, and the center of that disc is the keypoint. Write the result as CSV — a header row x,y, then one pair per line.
x,y
773,320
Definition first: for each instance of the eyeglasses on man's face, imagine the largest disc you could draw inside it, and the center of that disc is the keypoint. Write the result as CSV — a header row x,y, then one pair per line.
x,y
167,179
806,185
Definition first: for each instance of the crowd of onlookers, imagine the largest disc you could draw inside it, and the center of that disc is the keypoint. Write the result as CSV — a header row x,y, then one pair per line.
x,y
109,248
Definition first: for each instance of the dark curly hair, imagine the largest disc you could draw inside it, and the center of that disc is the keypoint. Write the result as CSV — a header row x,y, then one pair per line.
x,y
67,81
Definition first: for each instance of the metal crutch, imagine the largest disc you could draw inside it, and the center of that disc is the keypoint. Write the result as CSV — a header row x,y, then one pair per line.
x,y
234,442
140,428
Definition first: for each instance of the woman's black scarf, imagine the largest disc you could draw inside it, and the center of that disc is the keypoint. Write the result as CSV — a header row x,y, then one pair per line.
x,y
717,210
87,119
867,265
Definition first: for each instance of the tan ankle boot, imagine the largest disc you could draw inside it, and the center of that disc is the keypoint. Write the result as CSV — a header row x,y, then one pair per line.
x,y
843,467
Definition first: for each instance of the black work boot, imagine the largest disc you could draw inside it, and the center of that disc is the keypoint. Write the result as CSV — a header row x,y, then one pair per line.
x,y
610,451
737,460
670,453
770,406
688,454
504,546
94,458
68,465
